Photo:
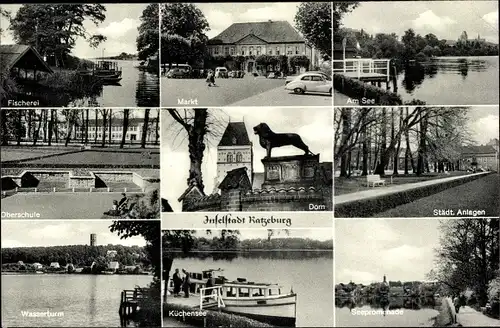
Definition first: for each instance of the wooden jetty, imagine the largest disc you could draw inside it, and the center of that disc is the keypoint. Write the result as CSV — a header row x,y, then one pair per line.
x,y
374,71
130,301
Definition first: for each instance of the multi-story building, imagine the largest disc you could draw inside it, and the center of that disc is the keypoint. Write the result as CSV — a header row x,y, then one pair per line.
x,y
484,156
134,130
234,151
250,40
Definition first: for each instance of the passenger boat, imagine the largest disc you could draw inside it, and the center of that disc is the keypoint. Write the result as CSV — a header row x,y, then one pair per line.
x,y
259,301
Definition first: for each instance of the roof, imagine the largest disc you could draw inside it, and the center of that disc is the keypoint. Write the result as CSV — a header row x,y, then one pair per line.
x,y
236,178
478,150
11,55
235,135
269,31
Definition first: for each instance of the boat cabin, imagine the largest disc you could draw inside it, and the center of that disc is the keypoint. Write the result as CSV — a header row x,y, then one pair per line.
x,y
249,289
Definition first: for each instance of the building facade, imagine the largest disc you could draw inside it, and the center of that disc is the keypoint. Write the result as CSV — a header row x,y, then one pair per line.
x,y
250,40
134,130
234,151
484,156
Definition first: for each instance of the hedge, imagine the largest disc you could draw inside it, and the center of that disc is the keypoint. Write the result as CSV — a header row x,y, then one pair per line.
x,y
356,89
368,207
214,319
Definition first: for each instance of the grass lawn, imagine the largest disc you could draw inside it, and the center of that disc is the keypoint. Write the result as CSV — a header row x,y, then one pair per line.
x,y
14,154
97,157
61,205
226,92
354,184
480,194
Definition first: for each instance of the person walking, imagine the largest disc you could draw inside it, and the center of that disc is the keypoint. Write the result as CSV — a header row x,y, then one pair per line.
x,y
186,284
177,283
456,303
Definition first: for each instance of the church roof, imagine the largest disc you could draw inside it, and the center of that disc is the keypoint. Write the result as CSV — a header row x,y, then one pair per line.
x,y
235,179
235,135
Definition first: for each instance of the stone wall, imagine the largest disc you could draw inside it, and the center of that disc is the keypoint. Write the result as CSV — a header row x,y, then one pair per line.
x,y
82,181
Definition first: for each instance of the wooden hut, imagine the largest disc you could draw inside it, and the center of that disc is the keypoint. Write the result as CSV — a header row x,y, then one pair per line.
x,y
22,62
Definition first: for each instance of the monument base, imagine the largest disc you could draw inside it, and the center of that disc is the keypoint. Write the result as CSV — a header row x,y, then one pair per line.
x,y
290,171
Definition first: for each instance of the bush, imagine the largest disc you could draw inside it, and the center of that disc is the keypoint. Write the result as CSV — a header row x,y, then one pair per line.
x,y
356,89
213,319
494,295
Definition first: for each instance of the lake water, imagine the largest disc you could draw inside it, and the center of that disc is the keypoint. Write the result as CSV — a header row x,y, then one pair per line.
x,y
86,300
411,313
137,88
452,81
310,275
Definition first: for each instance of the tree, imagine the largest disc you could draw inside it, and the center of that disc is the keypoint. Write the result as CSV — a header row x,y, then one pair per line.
x,y
147,41
314,21
145,128
340,9
183,29
126,113
104,114
71,116
196,129
54,28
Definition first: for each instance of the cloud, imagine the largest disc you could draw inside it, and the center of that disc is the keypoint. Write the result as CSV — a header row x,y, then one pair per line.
x,y
7,243
492,19
219,20
116,30
403,256
346,275
485,128
278,11
429,19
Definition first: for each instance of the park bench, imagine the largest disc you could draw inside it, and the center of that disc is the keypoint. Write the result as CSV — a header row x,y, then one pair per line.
x,y
374,180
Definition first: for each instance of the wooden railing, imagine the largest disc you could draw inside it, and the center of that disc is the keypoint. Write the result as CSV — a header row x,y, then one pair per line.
x,y
361,66
211,293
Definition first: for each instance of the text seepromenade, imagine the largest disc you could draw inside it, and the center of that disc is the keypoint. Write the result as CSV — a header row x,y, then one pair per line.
x,y
376,312
228,219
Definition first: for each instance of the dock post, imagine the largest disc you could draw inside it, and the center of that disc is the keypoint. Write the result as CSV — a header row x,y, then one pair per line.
x,y
54,189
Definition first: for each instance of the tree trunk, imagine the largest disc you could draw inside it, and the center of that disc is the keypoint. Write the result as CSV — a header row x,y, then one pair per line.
x,y
157,128
5,135
44,116
96,113
365,150
30,115
51,126
87,126
380,169
104,113
19,126
125,127
145,128
110,125
167,267
56,122
346,124
197,147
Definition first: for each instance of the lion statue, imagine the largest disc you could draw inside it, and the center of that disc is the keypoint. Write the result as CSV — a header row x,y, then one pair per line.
x,y
269,140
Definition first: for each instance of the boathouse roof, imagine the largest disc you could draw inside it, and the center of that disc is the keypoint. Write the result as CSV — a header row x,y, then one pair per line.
x,y
235,135
21,56
258,32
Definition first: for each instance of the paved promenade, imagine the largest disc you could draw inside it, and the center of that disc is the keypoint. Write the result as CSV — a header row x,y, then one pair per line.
x,y
468,317
340,99
391,189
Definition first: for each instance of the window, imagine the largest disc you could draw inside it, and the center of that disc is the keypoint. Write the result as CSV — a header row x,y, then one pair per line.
x,y
216,50
250,50
229,158
317,78
232,51
297,50
226,51
258,50
306,78
243,51
270,52
239,158
277,51
289,51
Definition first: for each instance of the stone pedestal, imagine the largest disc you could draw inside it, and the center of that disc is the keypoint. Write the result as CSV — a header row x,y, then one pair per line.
x,y
290,171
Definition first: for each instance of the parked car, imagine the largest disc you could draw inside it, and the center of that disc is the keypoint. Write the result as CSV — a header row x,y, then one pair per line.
x,y
274,75
176,73
293,77
221,72
236,74
310,82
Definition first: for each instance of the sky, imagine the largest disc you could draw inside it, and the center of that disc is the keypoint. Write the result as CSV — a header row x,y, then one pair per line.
x,y
314,125
484,124
120,27
61,233
445,19
316,234
221,15
366,249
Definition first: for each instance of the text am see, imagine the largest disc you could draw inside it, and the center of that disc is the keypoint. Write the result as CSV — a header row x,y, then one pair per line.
x,y
362,101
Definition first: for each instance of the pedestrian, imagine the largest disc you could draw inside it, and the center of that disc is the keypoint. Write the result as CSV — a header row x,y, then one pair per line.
x,y
456,303
210,283
177,283
186,283
209,78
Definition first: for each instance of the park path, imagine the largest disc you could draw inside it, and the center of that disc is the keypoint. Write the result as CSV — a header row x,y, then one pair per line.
x,y
468,317
391,189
